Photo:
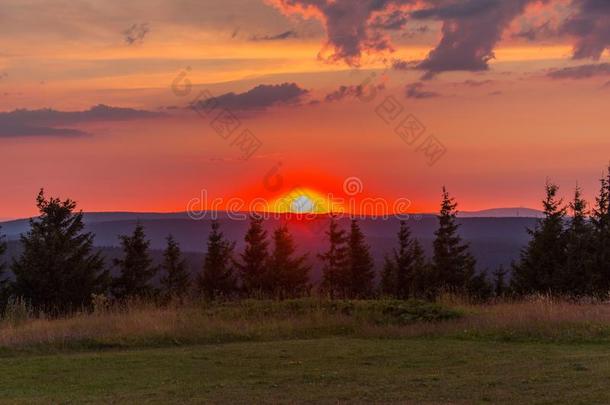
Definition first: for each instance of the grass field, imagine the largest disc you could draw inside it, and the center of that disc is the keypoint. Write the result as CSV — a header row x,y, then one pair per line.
x,y
325,370
308,351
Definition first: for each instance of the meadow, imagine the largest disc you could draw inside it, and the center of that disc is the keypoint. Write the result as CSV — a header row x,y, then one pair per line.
x,y
540,350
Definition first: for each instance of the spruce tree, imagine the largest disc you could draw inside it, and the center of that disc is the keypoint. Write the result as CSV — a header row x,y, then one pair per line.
x,y
600,220
2,252
176,278
453,265
388,278
359,264
289,273
4,281
58,270
544,255
499,283
478,288
335,261
576,275
409,264
136,268
253,265
217,279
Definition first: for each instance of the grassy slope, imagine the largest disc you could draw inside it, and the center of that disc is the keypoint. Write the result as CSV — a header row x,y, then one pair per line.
x,y
330,370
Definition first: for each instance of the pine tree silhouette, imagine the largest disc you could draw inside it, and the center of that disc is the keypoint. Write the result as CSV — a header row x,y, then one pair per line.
x,y
2,252
388,278
409,264
4,281
335,261
289,273
576,275
217,279
544,256
499,285
176,278
136,269
453,265
58,271
600,219
360,265
254,260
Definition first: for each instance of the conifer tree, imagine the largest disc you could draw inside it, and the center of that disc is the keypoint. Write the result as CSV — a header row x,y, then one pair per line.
x,y
176,279
335,261
499,284
600,220
544,256
58,270
453,265
4,281
217,279
388,278
360,264
576,275
136,268
289,273
2,252
253,265
409,264
478,288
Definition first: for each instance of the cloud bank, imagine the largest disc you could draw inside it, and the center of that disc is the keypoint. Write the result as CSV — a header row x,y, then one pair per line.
x,y
263,96
50,123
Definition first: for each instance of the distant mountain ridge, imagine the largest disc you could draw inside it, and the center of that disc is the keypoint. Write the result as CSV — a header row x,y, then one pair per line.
x,y
494,240
16,226
520,212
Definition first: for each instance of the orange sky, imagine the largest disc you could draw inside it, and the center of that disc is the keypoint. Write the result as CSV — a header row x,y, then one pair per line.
x,y
505,130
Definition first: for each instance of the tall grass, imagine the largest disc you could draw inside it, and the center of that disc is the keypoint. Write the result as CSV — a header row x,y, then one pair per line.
x,y
142,324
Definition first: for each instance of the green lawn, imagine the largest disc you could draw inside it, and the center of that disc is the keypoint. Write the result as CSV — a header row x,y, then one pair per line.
x,y
322,370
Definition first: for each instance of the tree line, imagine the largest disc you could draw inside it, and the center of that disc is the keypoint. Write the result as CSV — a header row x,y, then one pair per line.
x,y
569,250
59,269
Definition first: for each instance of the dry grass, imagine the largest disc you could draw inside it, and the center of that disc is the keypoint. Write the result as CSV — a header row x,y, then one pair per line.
x,y
146,325
536,318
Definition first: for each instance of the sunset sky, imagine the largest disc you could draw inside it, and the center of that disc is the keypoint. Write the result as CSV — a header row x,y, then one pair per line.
x,y
498,96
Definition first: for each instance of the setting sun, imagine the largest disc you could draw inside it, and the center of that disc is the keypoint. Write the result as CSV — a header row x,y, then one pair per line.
x,y
302,200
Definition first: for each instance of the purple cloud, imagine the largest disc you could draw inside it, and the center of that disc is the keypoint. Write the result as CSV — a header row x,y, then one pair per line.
x,y
48,122
581,72
471,30
262,96
590,25
416,91
352,27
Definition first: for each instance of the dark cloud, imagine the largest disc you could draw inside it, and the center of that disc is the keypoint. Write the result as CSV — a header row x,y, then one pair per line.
x,y
590,25
471,29
348,91
48,122
496,93
399,64
263,96
277,37
395,20
352,27
135,34
476,83
415,31
416,91
532,34
581,72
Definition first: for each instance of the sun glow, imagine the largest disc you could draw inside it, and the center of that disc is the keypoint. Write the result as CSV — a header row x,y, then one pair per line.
x,y
304,201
